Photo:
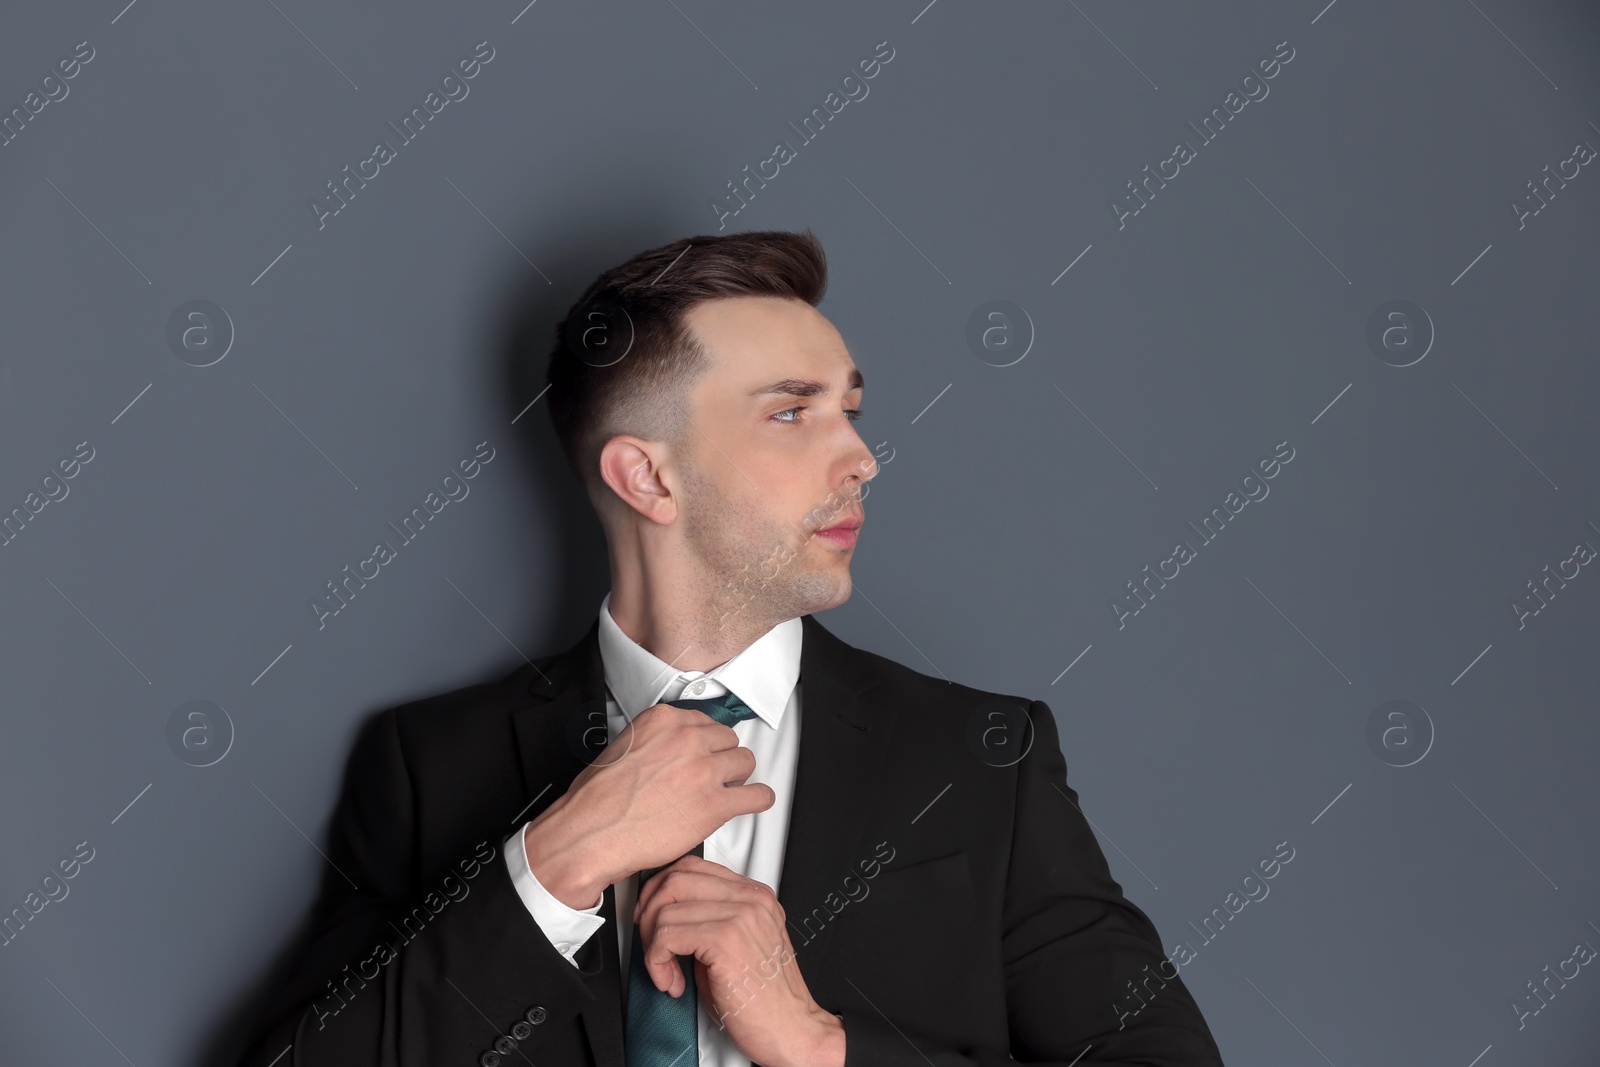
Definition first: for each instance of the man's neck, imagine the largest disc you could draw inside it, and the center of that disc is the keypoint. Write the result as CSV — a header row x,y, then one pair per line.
x,y
697,639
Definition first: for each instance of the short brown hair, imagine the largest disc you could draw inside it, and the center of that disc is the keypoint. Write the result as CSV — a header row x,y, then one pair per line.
x,y
624,361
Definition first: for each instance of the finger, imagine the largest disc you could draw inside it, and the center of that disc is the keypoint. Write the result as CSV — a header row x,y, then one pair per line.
x,y
718,736
682,892
661,959
689,864
701,929
677,983
712,936
733,765
746,799
752,897
670,973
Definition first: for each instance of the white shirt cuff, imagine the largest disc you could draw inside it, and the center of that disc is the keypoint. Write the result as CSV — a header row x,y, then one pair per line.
x,y
567,928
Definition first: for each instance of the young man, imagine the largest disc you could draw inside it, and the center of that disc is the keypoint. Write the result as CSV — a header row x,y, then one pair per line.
x,y
860,865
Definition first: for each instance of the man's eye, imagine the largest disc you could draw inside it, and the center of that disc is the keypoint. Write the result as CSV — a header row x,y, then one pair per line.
x,y
852,413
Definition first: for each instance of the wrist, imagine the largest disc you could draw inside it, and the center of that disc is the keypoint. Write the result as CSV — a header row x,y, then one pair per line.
x,y
826,1048
562,864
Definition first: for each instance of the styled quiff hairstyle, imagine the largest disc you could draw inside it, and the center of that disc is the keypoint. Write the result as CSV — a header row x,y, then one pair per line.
x,y
624,360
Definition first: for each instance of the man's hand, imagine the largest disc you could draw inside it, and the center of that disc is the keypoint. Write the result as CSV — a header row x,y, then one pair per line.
x,y
745,971
671,778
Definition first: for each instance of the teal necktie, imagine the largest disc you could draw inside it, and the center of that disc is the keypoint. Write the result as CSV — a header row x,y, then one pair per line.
x,y
662,1031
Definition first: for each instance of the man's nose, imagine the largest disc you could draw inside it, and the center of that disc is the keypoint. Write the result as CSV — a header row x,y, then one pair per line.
x,y
863,468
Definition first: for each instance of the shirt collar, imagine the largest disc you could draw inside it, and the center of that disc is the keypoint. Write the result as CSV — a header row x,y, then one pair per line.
x,y
763,675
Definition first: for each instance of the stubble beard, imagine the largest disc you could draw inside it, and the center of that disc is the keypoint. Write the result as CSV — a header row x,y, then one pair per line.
x,y
761,571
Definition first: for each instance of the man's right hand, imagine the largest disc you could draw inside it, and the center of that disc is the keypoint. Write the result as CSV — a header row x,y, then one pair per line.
x,y
671,778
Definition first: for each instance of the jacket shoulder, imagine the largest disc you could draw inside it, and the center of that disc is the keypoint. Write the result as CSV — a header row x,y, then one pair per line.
x,y
443,724
898,681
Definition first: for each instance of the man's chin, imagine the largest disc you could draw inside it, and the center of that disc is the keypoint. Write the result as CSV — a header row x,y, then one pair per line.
x,y
839,594
824,588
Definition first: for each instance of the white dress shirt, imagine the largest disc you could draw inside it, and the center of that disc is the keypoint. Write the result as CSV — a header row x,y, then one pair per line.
x,y
765,675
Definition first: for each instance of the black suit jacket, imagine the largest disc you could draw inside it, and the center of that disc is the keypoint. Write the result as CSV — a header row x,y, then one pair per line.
x,y
944,893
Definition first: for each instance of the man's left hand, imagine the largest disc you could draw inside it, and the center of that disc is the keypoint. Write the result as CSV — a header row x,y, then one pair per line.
x,y
745,971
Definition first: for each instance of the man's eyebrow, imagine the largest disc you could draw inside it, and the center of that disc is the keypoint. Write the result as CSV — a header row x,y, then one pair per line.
x,y
798,387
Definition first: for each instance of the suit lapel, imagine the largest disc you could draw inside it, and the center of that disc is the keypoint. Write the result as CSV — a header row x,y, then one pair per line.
x,y
561,727
844,737
844,740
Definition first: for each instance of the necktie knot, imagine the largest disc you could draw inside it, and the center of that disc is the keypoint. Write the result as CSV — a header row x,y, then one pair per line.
x,y
726,709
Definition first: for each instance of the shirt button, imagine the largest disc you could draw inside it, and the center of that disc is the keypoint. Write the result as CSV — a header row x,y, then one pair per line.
x,y
563,947
697,688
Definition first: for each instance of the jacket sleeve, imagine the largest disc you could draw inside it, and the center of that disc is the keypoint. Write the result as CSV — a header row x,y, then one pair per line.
x,y
1075,950
397,972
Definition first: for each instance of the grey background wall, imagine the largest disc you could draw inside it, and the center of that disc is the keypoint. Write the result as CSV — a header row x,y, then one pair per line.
x,y
1360,670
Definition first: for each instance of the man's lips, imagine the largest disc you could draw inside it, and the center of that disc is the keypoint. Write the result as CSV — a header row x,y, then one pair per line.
x,y
842,534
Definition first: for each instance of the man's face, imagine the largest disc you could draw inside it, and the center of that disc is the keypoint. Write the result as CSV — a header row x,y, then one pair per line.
x,y
772,457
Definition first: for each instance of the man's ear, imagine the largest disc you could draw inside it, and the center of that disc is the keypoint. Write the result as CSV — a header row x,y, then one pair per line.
x,y
633,468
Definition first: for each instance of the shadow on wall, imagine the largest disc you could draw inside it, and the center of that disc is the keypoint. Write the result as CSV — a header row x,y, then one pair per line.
x,y
529,309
